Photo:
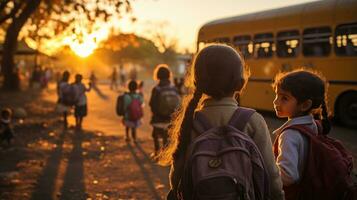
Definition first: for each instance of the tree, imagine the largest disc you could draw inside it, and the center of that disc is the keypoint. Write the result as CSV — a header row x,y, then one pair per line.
x,y
159,32
49,18
129,48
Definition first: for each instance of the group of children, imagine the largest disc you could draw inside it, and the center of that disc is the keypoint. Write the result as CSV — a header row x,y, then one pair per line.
x,y
164,99
218,76
72,95
217,79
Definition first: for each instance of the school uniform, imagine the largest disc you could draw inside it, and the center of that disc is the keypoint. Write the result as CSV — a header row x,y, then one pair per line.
x,y
219,112
293,149
128,98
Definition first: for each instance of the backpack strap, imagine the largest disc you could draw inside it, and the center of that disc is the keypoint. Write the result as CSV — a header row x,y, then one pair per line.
x,y
303,130
200,123
240,117
166,87
238,120
131,95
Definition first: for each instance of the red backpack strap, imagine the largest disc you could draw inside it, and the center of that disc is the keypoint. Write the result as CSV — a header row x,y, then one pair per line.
x,y
301,128
241,117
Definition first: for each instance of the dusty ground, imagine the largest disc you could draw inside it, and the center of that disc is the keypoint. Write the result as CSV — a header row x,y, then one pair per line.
x,y
47,162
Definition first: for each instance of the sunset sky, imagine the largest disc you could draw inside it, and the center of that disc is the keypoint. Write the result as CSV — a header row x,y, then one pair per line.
x,y
180,19
185,17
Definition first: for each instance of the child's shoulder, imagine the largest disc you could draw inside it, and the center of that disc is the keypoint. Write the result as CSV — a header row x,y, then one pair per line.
x,y
256,119
292,137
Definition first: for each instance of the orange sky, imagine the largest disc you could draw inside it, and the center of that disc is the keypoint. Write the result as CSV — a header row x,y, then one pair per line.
x,y
181,18
185,17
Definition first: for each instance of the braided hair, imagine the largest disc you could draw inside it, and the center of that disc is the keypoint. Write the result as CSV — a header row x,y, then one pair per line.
x,y
218,71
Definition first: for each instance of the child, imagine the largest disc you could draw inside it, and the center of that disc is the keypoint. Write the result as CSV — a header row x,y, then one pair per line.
x,y
159,120
133,110
6,131
113,78
80,108
218,73
62,85
299,95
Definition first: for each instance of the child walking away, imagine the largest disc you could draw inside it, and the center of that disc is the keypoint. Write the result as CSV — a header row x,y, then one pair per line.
x,y
66,97
163,102
133,112
312,165
113,78
80,108
219,150
6,131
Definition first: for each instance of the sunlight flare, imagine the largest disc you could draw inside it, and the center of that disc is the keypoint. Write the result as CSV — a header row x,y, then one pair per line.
x,y
83,49
86,45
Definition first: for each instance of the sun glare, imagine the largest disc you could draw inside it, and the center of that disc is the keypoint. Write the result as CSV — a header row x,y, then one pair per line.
x,y
88,44
83,49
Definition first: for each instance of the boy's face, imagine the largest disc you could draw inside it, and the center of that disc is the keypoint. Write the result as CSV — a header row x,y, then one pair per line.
x,y
285,104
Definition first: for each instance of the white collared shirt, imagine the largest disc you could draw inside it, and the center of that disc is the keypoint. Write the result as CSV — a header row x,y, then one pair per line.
x,y
293,149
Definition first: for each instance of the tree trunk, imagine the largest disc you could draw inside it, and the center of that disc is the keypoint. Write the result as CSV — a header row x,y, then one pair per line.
x,y
11,76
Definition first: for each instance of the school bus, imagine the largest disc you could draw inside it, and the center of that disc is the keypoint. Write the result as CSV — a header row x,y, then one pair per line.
x,y
319,35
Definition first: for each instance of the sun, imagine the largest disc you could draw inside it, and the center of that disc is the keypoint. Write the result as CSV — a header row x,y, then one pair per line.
x,y
83,49
88,42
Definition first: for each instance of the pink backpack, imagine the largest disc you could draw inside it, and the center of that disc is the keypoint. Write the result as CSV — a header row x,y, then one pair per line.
x,y
135,109
224,162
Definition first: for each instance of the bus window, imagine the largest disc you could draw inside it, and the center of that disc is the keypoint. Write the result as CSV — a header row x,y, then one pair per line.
x,y
317,41
346,40
223,40
288,43
244,44
263,45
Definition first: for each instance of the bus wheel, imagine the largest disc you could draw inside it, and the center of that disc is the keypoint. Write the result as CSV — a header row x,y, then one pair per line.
x,y
347,109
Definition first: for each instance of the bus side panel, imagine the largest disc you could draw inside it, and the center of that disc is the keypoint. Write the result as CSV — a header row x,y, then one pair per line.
x,y
258,95
346,12
318,14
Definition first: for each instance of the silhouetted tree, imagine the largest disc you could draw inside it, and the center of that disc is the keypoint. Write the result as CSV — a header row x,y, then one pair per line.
x,y
39,19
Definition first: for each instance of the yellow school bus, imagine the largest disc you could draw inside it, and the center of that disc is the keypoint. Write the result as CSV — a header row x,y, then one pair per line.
x,y
319,35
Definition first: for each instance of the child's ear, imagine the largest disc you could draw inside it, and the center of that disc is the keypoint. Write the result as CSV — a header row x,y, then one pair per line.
x,y
306,105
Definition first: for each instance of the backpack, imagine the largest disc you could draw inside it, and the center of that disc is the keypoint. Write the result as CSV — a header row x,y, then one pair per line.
x,y
69,96
224,162
135,109
120,110
168,100
328,171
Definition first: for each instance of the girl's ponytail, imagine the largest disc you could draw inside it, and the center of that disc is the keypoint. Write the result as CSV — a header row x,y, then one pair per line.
x,y
325,121
184,137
